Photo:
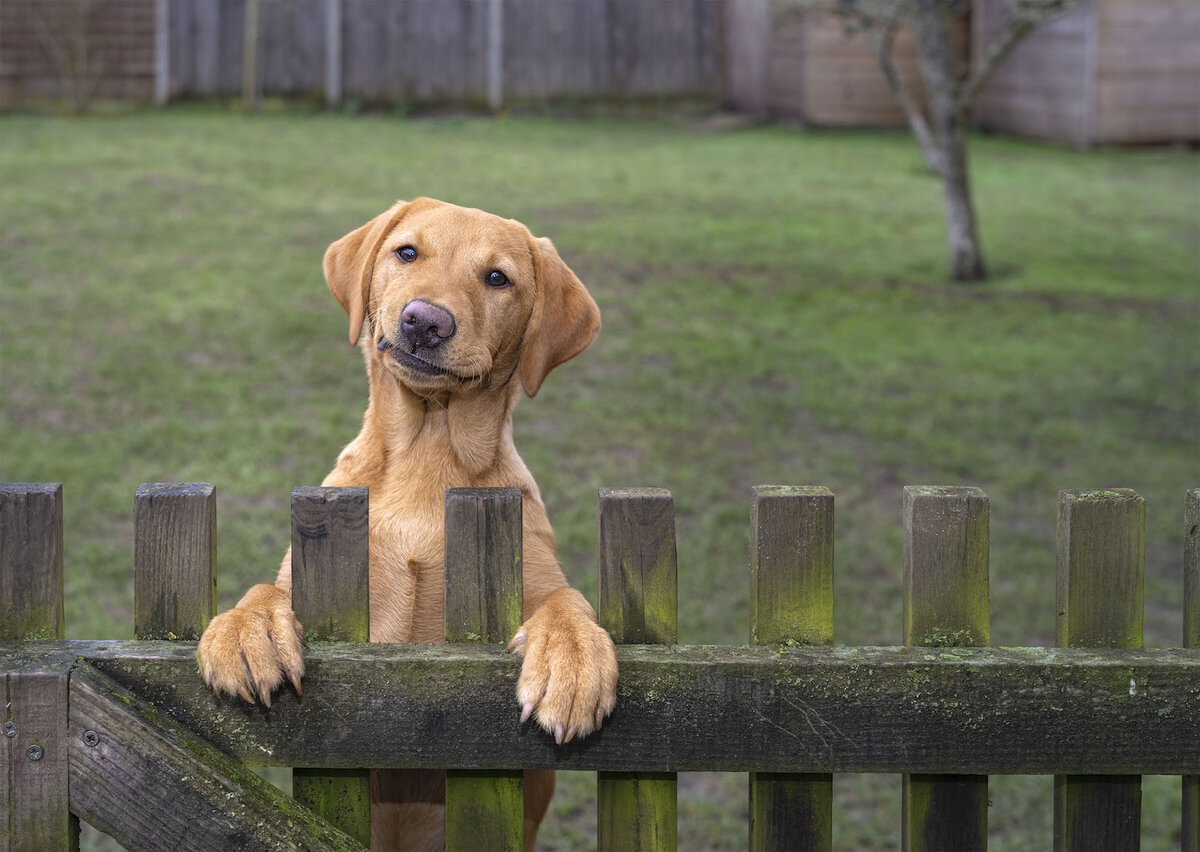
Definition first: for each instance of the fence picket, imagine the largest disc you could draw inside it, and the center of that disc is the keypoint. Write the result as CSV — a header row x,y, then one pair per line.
x,y
34,800
484,808
791,601
174,560
1101,567
330,591
945,605
1190,840
637,810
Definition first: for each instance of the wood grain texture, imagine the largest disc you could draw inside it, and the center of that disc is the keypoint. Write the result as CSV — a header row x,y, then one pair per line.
x,y
638,600
174,560
1101,570
485,809
791,601
331,598
154,785
638,580
34,806
40,815
1024,711
31,561
330,563
483,564
945,605
1190,839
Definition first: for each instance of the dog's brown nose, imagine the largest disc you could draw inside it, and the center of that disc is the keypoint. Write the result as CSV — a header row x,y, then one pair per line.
x,y
425,325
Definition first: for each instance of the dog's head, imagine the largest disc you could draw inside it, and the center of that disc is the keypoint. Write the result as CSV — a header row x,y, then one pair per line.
x,y
452,297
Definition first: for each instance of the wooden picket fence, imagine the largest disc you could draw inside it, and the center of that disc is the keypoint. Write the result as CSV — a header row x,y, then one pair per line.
x,y
124,734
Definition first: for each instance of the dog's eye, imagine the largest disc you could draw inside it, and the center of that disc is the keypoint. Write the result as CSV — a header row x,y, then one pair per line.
x,y
496,278
406,254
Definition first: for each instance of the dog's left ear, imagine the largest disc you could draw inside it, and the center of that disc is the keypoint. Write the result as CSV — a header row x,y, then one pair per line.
x,y
565,318
350,264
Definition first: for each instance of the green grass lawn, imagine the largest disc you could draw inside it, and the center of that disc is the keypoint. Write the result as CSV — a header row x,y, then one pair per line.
x,y
775,310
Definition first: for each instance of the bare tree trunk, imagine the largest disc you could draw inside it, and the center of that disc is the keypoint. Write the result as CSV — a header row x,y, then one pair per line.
x,y
966,256
933,31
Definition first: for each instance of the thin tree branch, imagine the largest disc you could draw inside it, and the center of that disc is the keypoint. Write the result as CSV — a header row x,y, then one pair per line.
x,y
1026,15
884,41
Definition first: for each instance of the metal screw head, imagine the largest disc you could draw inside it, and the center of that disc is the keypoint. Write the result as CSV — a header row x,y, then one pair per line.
x,y
34,752
10,729
90,739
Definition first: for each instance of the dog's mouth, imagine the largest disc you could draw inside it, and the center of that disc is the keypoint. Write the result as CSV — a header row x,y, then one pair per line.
x,y
412,362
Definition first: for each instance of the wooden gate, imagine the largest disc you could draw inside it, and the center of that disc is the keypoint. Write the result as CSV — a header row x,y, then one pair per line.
x,y
125,735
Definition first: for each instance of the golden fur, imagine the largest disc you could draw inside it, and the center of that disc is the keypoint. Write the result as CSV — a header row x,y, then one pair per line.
x,y
427,429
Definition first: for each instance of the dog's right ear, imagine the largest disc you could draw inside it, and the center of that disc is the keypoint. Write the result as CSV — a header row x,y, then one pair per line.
x,y
350,264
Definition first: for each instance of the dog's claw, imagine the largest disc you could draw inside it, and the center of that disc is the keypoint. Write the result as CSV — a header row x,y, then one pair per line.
x,y
599,718
526,711
245,693
518,641
295,679
558,734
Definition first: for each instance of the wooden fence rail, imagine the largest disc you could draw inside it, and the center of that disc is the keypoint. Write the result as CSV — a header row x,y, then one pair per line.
x,y
124,734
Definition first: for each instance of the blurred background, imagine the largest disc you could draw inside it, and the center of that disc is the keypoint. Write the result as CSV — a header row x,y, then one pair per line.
x,y
744,188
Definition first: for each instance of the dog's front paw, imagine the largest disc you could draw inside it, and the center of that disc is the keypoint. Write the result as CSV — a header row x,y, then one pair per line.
x,y
568,678
250,649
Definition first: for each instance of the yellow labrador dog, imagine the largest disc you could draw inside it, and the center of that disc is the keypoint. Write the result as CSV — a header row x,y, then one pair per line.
x,y
458,311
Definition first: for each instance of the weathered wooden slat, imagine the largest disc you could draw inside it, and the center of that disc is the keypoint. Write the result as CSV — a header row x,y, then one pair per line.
x,y
638,565
34,807
945,604
330,563
638,599
1190,840
791,601
174,560
330,596
1101,568
485,809
154,785
1025,711
37,764
483,564
31,561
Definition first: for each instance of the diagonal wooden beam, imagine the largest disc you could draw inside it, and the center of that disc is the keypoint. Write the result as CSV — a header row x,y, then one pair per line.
x,y
153,784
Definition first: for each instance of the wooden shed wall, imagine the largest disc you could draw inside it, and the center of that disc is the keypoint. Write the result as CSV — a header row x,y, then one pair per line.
x,y
840,81
1043,89
1147,71
810,68
1111,71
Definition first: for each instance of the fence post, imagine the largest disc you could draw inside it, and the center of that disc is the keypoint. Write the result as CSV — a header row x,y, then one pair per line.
x,y
485,809
162,52
1101,567
330,591
495,55
34,799
1191,639
945,605
333,53
638,599
791,601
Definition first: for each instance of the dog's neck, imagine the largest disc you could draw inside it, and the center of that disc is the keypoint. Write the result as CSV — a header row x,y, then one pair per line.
x,y
476,422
